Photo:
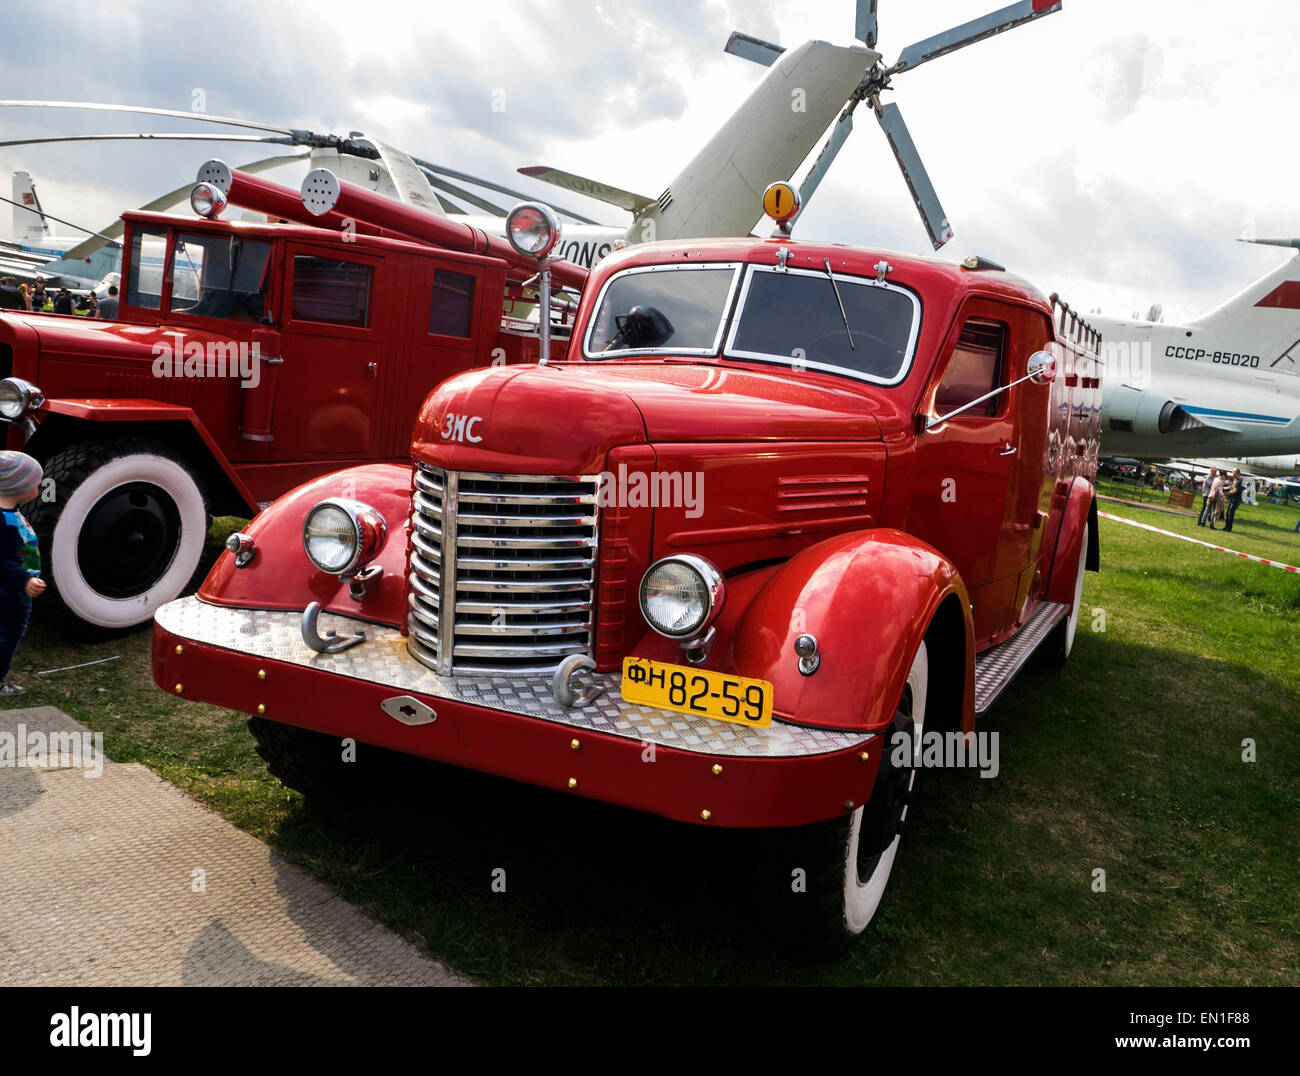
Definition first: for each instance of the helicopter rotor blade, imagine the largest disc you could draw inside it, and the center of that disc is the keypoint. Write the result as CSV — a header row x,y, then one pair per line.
x,y
865,25
918,180
839,135
752,48
429,166
958,37
440,184
146,137
99,107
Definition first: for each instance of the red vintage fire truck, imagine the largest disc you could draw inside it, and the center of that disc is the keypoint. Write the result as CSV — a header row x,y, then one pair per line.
x,y
246,358
782,503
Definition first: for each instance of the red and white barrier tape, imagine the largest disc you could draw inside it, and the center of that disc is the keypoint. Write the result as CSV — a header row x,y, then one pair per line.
x,y
1197,541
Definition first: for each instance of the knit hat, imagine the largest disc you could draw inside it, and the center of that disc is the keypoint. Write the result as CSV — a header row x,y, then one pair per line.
x,y
18,473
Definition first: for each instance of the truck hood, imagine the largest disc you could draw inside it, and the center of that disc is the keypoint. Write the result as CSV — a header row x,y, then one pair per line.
x,y
564,419
56,335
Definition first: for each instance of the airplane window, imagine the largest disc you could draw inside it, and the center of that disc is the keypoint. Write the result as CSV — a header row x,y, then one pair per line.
x,y
144,284
452,302
674,311
798,316
974,369
219,276
332,291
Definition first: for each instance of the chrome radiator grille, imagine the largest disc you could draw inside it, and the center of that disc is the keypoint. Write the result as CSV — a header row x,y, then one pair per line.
x,y
502,570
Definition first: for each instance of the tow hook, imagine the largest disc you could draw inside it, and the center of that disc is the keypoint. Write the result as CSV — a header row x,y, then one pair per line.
x,y
331,643
567,685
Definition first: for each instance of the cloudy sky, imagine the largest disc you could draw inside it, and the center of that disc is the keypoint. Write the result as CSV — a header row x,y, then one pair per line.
x,y
1113,151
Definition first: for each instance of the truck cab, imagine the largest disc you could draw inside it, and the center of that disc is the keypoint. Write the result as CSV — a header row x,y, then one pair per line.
x,y
246,358
781,508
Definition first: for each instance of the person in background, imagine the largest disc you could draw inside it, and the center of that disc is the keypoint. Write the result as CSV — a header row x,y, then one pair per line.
x,y
20,558
63,302
1233,492
1205,493
108,308
10,299
25,295
1215,498
92,306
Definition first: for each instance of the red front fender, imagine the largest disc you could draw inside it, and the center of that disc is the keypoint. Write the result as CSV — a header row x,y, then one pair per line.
x,y
281,577
869,597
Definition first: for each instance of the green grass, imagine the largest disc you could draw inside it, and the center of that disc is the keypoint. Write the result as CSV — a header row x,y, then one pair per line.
x,y
1127,760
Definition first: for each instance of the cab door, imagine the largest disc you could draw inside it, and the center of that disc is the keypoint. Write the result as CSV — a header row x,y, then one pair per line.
x,y
967,467
336,306
439,336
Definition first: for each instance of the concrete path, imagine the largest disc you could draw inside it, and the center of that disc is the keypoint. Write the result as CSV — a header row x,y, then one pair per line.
x,y
121,879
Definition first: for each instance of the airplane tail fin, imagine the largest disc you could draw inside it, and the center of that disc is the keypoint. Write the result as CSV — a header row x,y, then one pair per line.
x,y
29,219
719,193
1266,313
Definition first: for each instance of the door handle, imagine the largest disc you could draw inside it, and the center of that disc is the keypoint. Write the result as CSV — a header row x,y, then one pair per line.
x,y
1010,450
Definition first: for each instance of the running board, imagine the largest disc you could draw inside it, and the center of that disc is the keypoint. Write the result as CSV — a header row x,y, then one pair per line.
x,y
997,666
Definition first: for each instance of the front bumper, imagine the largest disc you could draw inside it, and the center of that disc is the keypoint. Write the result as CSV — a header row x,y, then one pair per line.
x,y
676,765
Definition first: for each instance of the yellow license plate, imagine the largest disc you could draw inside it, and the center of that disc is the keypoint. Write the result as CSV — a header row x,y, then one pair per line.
x,y
716,695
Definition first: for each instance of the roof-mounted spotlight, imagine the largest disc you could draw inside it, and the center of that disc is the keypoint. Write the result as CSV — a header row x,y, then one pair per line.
x,y
207,200
533,229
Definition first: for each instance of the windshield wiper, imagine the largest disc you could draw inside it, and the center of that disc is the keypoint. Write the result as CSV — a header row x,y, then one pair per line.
x,y
827,262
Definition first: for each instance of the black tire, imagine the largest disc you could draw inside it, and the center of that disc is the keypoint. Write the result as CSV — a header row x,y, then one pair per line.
x,y
124,533
312,763
1058,646
837,903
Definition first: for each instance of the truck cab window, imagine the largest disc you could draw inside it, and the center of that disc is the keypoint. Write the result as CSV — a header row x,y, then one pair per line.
x,y
148,251
219,276
451,304
332,291
974,369
826,321
674,310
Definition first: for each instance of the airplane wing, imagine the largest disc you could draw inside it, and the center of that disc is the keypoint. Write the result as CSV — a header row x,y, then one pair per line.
x,y
633,203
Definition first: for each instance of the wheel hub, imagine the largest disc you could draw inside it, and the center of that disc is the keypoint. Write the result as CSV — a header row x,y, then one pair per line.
x,y
129,540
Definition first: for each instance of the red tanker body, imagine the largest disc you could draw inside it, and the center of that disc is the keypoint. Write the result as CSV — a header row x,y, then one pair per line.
x,y
783,507
245,359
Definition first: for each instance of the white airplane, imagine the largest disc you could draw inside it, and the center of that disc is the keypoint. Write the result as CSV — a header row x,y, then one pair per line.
x,y
1220,388
36,252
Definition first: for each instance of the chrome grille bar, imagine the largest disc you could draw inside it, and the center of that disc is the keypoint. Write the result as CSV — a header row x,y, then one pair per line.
x,y
519,554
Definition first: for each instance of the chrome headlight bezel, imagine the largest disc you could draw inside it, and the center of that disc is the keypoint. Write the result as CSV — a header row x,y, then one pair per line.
x,y
17,397
712,591
368,529
533,229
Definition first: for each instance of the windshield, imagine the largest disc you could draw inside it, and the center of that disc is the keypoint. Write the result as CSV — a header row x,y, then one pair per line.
x,y
662,309
805,318
219,276
826,321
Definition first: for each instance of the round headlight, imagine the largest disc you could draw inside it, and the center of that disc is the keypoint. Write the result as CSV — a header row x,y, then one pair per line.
x,y
682,596
17,397
207,200
340,536
532,229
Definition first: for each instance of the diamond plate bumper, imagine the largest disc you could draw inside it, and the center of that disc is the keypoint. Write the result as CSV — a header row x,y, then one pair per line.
x,y
694,769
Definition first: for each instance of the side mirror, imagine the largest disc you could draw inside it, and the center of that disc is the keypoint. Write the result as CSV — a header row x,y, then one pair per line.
x,y
1041,368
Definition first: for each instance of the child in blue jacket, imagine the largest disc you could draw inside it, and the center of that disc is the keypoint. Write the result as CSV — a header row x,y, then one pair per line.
x,y
20,557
